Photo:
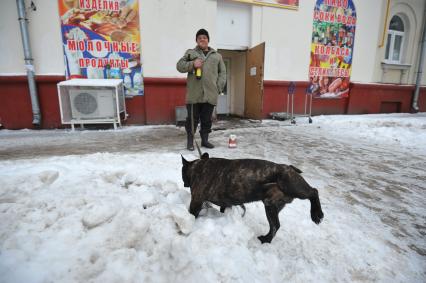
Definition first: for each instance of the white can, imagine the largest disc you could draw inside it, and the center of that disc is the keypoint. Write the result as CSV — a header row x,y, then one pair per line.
x,y
232,143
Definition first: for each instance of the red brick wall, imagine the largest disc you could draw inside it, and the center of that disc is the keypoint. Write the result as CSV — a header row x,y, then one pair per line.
x,y
369,98
422,99
162,95
275,100
15,103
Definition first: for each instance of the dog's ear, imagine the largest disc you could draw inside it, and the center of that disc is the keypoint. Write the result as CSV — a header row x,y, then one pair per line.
x,y
296,169
205,156
184,162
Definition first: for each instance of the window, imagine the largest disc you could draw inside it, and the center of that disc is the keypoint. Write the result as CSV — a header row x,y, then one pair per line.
x,y
395,41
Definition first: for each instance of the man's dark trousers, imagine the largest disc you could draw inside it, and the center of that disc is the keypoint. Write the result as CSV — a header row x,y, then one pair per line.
x,y
201,112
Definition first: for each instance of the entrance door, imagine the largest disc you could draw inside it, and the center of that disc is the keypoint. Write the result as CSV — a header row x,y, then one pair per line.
x,y
223,100
254,82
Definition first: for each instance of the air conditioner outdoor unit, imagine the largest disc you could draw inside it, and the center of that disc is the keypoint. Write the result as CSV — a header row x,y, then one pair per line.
x,y
92,101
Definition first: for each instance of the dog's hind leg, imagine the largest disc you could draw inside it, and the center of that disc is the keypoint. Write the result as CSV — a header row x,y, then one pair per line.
x,y
312,194
316,212
293,185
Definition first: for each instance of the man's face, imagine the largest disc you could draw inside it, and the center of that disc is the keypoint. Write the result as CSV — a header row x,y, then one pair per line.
x,y
203,41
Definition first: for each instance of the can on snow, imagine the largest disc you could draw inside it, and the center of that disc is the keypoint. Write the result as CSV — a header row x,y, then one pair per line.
x,y
232,143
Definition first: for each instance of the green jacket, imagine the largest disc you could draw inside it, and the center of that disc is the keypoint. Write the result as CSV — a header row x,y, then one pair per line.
x,y
213,78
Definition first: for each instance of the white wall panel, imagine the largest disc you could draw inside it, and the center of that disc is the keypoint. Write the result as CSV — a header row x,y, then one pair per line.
x,y
168,28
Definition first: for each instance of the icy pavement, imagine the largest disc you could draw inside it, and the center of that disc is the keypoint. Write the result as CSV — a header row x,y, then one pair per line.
x,y
110,206
31,144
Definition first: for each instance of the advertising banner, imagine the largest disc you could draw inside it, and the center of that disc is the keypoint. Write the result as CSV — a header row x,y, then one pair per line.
x,y
286,4
101,39
332,48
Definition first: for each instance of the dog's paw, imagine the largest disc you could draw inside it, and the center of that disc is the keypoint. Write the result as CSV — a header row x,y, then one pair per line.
x,y
264,239
317,216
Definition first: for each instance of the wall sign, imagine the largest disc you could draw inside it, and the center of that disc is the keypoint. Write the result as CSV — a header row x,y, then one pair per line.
x,y
101,39
332,48
285,4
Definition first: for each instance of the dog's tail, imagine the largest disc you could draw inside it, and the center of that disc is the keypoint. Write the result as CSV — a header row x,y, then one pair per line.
x,y
296,169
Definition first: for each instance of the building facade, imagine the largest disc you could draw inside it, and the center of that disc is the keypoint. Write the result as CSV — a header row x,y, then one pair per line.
x,y
385,62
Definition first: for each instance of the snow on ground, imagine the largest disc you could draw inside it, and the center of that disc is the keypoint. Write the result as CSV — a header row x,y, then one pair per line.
x,y
89,214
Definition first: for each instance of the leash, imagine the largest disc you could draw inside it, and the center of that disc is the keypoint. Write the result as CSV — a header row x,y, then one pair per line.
x,y
192,129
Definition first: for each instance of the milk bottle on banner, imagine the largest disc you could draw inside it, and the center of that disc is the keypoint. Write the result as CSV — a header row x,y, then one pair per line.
x,y
137,82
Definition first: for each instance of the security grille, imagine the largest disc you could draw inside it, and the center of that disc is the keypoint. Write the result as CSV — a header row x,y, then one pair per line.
x,y
85,103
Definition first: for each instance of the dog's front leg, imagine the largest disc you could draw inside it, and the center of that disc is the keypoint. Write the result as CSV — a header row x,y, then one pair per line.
x,y
274,224
272,209
195,207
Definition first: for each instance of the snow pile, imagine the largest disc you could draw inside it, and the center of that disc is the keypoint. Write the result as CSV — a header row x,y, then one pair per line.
x,y
406,130
123,217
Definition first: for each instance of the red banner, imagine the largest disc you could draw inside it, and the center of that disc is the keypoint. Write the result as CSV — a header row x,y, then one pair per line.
x,y
332,48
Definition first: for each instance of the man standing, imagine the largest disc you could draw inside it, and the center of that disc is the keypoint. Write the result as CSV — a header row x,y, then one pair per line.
x,y
206,79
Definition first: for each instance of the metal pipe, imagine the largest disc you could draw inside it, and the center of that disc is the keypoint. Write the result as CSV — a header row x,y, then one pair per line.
x,y
23,23
415,104
385,25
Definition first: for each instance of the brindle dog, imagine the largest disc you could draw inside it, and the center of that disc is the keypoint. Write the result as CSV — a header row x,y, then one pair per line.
x,y
228,182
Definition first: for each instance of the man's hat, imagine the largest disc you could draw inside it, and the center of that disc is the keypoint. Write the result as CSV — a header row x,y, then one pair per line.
x,y
202,32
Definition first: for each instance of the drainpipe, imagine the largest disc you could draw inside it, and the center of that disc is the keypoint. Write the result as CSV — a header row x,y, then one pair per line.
x,y
385,25
23,22
415,104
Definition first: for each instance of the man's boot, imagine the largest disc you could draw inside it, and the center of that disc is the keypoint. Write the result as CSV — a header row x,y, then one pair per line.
x,y
205,140
190,142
